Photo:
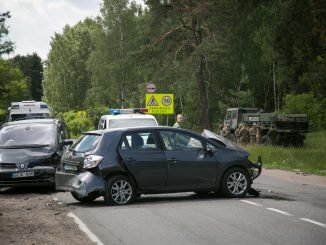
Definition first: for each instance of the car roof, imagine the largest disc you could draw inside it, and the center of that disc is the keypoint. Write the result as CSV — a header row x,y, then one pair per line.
x,y
124,129
33,121
132,115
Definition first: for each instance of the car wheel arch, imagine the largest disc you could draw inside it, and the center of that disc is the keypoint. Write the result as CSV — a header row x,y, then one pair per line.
x,y
115,173
225,170
119,190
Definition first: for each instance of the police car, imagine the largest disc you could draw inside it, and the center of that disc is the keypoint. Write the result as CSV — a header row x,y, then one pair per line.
x,y
122,118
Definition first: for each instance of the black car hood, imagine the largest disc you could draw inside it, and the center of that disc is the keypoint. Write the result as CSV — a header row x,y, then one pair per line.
x,y
23,155
228,143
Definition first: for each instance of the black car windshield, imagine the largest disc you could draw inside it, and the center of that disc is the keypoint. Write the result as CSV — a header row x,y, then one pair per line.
x,y
86,142
127,122
28,135
17,117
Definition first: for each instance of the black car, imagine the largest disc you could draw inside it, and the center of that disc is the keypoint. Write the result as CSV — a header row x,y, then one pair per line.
x,y
121,164
30,151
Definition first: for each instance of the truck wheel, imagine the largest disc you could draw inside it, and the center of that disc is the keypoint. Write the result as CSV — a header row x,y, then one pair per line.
x,y
119,190
232,138
266,140
235,183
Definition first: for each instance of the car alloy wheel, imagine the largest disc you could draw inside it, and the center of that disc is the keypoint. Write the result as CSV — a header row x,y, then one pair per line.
x,y
235,183
120,190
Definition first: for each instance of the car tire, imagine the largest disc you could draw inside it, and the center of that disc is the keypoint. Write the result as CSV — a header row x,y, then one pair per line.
x,y
119,191
89,198
235,183
266,140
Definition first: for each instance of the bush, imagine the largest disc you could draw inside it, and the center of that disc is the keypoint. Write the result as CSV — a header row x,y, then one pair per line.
x,y
76,124
310,105
94,114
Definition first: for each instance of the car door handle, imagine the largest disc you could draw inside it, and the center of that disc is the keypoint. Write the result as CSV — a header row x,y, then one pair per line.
x,y
172,160
131,160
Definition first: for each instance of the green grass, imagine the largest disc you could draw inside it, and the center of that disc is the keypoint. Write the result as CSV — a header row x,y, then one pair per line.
x,y
311,158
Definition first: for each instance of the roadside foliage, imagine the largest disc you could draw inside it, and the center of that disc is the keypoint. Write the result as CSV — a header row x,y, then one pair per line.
x,y
210,54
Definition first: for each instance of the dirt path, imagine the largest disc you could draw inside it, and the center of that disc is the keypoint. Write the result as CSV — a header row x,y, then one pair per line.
x,y
36,218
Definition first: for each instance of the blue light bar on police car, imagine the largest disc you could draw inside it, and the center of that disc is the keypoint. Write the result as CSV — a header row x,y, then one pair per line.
x,y
128,111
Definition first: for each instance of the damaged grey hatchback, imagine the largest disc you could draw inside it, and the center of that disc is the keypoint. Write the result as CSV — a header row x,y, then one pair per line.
x,y
122,164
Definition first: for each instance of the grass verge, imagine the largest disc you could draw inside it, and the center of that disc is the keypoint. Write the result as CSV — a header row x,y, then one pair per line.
x,y
311,158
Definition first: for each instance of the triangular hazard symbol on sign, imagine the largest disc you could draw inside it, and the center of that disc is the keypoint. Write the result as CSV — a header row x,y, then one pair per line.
x,y
152,102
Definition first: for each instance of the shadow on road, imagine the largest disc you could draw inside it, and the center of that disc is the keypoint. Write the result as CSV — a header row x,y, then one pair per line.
x,y
26,190
159,199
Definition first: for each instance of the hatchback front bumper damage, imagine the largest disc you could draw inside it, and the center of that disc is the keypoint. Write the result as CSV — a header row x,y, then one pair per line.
x,y
256,168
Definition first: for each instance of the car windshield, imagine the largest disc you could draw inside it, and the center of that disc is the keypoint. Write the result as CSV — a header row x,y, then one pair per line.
x,y
86,142
127,122
28,135
17,117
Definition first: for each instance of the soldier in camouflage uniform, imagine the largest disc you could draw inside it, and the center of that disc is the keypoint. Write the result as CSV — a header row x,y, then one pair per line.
x,y
272,134
258,134
252,133
226,130
244,134
237,133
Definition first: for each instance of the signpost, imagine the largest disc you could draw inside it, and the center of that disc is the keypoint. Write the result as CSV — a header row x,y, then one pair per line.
x,y
160,103
82,114
150,87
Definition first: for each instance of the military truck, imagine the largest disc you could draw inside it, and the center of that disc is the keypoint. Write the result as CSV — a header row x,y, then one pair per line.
x,y
275,128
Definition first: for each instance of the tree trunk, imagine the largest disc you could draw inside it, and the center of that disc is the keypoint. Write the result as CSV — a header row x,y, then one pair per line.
x,y
205,119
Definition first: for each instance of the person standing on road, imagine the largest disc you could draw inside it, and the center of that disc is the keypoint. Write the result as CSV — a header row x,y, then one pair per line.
x,y
180,120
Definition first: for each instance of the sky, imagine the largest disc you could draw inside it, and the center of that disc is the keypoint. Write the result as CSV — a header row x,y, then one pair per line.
x,y
34,22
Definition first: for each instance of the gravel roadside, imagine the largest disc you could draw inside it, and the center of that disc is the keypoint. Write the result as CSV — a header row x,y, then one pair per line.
x,y
36,217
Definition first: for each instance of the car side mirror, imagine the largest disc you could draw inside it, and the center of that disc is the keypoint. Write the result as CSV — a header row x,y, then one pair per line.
x,y
206,151
68,142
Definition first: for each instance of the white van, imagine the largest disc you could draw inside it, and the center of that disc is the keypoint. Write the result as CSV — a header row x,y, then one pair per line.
x,y
29,109
122,118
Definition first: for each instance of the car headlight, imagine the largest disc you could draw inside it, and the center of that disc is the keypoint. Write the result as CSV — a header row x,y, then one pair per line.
x,y
91,161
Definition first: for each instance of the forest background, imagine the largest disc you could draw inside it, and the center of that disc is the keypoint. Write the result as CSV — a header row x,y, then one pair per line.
x,y
211,54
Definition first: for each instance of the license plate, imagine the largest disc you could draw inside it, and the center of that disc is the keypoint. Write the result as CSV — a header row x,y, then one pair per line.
x,y
23,174
70,167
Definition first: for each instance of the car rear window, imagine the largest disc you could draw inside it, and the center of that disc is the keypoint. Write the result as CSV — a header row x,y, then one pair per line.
x,y
86,142
28,134
127,122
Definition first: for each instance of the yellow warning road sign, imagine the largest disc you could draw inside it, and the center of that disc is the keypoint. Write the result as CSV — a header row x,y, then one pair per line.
x,y
160,103
82,114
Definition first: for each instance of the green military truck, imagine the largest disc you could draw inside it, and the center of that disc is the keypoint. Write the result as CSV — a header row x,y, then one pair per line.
x,y
275,128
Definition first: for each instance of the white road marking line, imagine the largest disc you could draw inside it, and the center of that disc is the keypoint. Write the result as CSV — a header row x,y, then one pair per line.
x,y
85,229
279,211
252,203
314,222
285,213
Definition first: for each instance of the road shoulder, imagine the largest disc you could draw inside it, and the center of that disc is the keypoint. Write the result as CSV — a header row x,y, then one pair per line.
x,y
298,177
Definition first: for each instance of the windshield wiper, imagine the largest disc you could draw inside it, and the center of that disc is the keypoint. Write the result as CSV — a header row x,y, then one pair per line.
x,y
24,146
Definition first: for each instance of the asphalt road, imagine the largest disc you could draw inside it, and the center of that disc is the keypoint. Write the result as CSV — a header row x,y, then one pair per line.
x,y
287,212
